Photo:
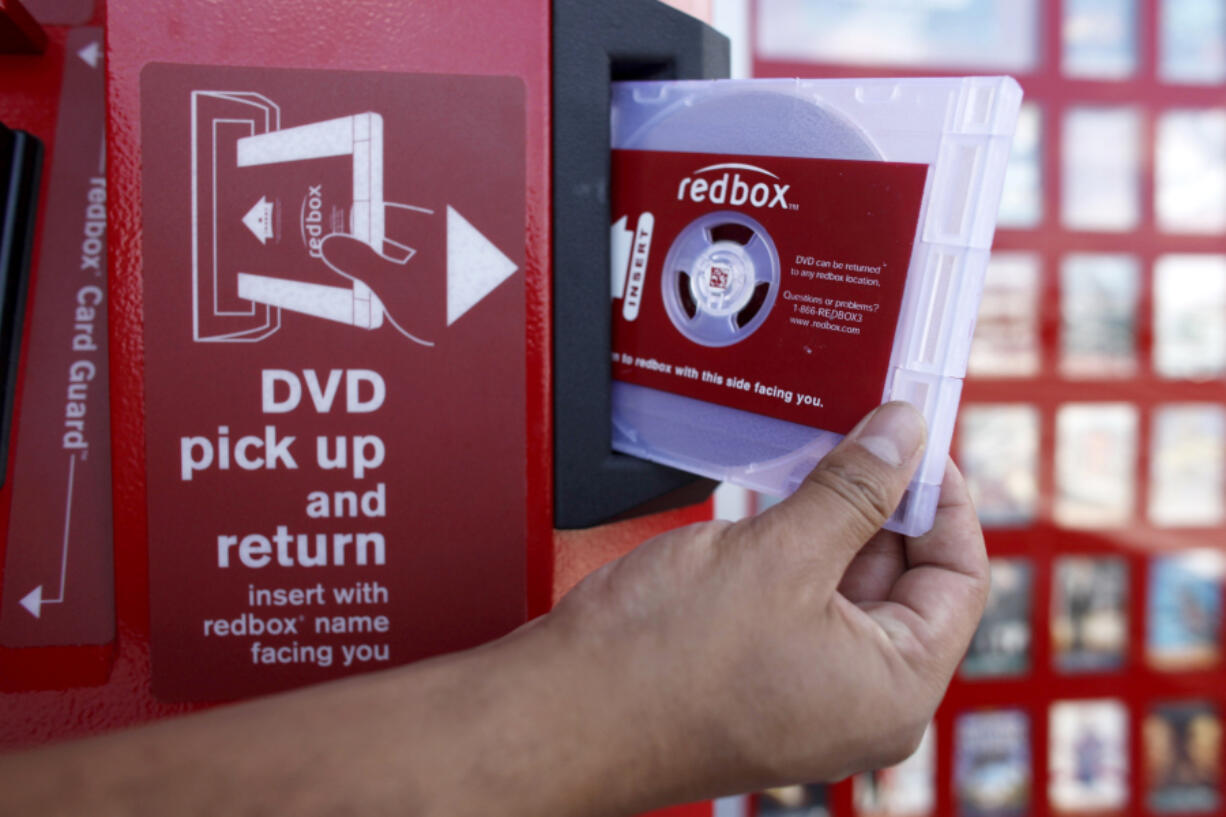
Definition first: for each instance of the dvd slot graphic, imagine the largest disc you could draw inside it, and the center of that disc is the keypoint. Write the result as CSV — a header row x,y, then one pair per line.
x,y
850,278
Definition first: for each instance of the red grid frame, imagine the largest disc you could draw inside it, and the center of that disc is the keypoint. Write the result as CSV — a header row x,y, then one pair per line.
x,y
1136,684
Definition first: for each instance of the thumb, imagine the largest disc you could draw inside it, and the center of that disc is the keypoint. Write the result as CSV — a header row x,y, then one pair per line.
x,y
853,490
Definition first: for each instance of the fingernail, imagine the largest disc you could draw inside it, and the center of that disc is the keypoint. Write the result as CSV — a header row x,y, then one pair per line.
x,y
892,433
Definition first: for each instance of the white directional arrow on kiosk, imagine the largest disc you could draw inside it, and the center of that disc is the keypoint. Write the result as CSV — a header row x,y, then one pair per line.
x,y
34,601
90,54
475,267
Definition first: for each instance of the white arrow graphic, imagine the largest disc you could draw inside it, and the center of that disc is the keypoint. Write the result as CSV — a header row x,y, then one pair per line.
x,y
475,267
89,54
259,220
34,601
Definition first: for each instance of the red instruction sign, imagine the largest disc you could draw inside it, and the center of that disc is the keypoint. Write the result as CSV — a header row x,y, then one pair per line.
x,y
766,284
334,373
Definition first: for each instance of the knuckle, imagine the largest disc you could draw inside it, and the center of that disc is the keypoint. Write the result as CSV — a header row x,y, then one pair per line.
x,y
862,491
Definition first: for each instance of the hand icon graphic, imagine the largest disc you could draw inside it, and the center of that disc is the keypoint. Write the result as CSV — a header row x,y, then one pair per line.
x,y
382,279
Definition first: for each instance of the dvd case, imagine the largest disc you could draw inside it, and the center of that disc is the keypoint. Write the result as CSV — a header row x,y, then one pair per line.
x,y
788,254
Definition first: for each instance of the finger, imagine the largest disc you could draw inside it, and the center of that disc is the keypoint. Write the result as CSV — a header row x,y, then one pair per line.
x,y
946,583
851,492
872,574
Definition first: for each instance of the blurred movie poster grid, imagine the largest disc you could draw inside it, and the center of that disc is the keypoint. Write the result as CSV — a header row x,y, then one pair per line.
x,y
1182,752
992,763
1006,342
1107,303
1190,316
1096,450
1184,611
1098,315
1186,465
999,454
792,801
1001,644
1089,613
1088,756
905,790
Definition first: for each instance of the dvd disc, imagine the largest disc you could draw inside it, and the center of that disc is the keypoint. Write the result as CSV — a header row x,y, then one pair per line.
x,y
721,277
728,123
764,123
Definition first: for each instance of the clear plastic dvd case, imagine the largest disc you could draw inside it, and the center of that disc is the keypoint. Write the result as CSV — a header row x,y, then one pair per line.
x,y
960,128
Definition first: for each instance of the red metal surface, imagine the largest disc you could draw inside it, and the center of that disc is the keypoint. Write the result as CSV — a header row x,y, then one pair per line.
x,y
690,810
63,12
61,477
29,93
29,88
20,33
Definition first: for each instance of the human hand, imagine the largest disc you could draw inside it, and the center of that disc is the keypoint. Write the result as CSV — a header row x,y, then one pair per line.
x,y
803,644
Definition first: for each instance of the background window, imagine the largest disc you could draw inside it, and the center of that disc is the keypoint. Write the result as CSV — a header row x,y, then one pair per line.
x,y
1190,316
1186,465
1100,150
1021,203
998,450
1100,38
1096,449
1006,342
1192,45
1190,195
997,34
1098,315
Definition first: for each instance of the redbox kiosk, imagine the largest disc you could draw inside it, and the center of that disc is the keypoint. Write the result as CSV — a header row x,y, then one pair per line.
x,y
355,333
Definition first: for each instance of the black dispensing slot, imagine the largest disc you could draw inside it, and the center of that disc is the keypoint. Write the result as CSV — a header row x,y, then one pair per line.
x,y
594,44
20,167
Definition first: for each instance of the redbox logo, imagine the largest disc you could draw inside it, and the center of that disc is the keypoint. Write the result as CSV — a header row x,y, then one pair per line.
x,y
730,188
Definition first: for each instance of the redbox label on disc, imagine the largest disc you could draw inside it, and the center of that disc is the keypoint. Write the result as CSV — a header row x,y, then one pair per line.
x,y
766,284
334,371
